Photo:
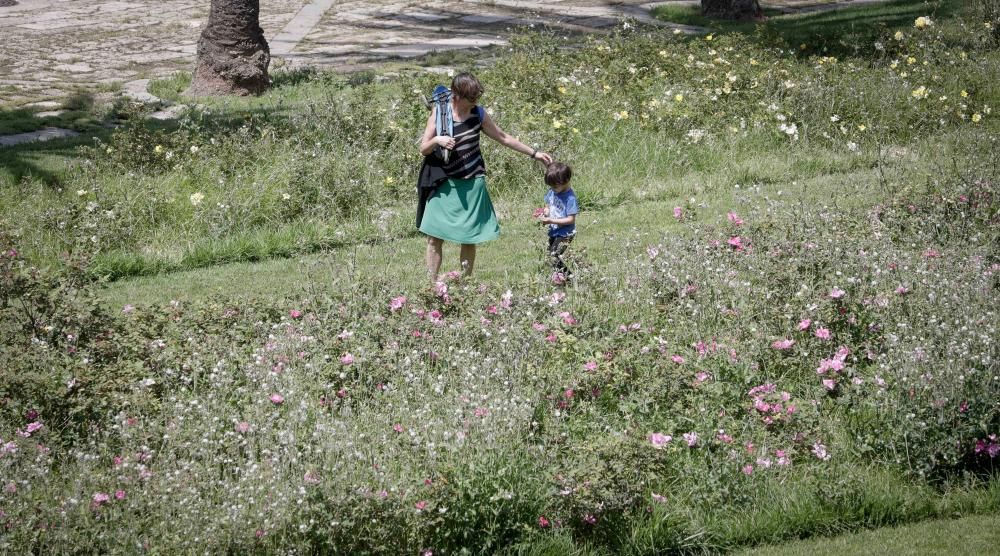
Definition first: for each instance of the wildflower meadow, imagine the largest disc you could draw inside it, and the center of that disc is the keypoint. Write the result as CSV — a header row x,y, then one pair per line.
x,y
782,323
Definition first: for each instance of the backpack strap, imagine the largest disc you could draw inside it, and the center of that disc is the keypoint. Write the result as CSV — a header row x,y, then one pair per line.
x,y
481,112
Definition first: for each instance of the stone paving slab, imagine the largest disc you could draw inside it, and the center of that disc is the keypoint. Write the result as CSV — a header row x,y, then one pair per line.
x,y
46,134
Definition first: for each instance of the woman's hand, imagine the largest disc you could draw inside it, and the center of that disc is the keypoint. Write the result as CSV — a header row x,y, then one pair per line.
x,y
544,157
445,141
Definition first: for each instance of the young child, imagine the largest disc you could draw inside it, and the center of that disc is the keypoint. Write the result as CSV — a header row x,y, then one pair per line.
x,y
560,213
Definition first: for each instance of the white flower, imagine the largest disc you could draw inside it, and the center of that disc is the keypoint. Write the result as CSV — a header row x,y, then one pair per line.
x,y
695,135
852,146
791,130
194,149
197,197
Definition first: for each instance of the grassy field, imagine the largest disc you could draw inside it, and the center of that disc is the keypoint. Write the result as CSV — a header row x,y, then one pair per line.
x,y
970,535
217,334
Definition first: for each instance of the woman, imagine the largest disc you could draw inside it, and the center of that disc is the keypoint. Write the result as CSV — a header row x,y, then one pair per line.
x,y
460,209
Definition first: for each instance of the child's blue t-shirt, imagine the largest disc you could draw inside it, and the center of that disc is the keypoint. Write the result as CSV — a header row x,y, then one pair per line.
x,y
561,205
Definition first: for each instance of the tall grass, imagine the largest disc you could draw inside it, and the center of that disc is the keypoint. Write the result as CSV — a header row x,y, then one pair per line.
x,y
808,347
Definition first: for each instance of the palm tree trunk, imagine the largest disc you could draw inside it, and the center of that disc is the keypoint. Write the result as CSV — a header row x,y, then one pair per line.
x,y
232,53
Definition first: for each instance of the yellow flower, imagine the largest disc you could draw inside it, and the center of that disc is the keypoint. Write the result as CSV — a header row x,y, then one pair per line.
x,y
753,62
196,198
862,127
898,36
709,37
920,92
623,114
963,55
562,90
81,192
158,149
894,64
677,31
802,46
576,130
988,25
964,93
607,88
922,22
556,124
678,98
911,60
976,117
389,180
664,52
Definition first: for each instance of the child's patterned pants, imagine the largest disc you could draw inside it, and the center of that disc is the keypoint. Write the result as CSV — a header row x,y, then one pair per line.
x,y
557,247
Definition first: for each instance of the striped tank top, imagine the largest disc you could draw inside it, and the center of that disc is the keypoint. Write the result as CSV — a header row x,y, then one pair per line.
x,y
466,160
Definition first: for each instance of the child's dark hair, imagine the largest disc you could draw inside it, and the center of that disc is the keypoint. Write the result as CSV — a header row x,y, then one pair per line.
x,y
467,86
557,173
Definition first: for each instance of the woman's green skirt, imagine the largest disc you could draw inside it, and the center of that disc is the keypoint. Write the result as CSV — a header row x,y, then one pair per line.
x,y
461,211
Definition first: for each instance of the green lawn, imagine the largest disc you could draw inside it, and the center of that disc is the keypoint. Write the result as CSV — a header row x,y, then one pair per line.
x,y
971,536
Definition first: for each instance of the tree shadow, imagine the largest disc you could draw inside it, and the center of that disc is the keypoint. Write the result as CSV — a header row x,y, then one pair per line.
x,y
42,161
847,31
49,162
820,29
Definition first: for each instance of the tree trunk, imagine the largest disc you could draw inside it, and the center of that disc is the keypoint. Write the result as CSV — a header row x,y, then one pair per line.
x,y
731,9
232,53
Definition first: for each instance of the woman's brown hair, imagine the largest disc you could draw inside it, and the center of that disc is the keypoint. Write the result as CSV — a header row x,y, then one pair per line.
x,y
467,86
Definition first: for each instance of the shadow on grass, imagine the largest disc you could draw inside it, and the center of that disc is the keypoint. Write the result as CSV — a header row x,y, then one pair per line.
x,y
48,161
837,32
44,161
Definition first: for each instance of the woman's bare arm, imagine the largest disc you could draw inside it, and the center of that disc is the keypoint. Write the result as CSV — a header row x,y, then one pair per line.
x,y
431,139
493,132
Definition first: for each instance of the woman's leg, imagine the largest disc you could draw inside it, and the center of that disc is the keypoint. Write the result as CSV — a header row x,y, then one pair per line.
x,y
468,258
434,247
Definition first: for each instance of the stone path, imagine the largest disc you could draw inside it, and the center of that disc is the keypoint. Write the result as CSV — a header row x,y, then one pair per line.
x,y
53,48
46,134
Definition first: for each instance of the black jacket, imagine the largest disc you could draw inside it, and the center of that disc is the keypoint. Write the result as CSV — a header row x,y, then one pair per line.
x,y
431,175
